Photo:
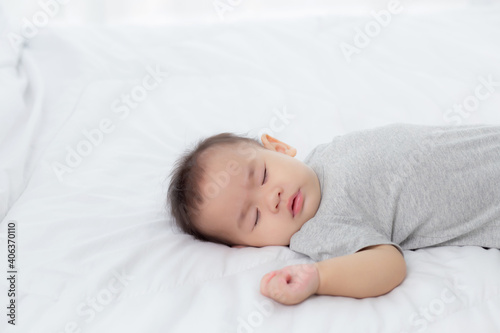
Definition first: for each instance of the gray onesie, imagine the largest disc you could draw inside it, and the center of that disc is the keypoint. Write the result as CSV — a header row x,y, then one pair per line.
x,y
411,186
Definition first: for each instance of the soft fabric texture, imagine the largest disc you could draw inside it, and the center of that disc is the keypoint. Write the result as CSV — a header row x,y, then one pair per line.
x,y
410,186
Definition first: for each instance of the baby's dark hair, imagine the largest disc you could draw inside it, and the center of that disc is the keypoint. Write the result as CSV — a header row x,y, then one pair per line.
x,y
184,193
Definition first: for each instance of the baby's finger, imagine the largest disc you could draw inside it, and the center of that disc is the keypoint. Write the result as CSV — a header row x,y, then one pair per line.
x,y
277,288
266,278
264,282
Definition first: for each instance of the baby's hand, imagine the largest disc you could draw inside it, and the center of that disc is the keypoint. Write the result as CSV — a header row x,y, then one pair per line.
x,y
291,284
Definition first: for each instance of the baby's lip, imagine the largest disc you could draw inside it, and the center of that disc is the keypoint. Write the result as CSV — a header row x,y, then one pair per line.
x,y
289,204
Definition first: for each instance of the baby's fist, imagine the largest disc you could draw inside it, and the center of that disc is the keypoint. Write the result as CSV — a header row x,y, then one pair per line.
x,y
291,284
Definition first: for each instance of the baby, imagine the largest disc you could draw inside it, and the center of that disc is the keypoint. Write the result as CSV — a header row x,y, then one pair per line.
x,y
353,205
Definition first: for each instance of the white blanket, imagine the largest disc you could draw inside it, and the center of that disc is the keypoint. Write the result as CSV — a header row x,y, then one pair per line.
x,y
93,119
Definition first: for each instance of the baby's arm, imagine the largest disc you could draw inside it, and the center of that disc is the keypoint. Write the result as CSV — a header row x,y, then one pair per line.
x,y
373,271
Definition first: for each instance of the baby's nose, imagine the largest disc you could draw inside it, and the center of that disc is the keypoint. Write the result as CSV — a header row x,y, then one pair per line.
x,y
275,200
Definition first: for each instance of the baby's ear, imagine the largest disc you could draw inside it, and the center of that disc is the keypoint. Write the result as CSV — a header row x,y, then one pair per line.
x,y
276,145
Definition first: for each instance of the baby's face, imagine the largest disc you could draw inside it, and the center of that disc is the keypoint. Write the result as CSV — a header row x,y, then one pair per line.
x,y
256,196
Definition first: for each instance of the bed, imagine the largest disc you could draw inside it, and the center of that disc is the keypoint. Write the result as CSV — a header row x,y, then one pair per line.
x,y
93,118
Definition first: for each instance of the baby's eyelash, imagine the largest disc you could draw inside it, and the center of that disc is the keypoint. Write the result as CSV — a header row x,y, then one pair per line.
x,y
257,217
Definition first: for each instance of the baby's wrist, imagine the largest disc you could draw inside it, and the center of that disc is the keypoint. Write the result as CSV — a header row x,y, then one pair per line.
x,y
316,269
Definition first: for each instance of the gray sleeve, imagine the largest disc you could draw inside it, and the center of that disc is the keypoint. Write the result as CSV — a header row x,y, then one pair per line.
x,y
336,236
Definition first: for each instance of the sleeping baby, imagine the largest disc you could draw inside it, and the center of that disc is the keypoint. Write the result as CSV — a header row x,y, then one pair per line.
x,y
352,206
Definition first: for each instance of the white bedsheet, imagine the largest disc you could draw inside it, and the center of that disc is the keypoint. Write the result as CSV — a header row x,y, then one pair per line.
x,y
84,178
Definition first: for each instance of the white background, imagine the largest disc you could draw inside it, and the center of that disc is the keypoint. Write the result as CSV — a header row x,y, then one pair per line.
x,y
160,12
